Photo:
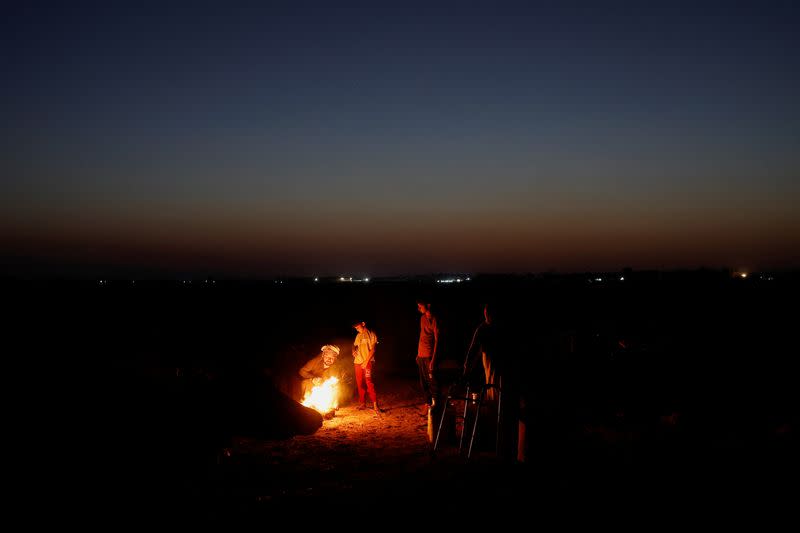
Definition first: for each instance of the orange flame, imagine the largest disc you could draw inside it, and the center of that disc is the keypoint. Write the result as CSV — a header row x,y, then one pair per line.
x,y
324,397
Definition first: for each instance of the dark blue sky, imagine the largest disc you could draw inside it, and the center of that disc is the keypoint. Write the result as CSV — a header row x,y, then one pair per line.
x,y
330,138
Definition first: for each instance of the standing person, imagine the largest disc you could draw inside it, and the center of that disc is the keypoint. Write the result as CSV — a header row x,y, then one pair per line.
x,y
363,361
318,369
492,340
426,351
486,341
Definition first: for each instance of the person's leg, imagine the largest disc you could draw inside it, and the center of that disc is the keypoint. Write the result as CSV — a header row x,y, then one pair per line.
x,y
370,384
424,379
510,423
489,370
433,387
359,383
522,444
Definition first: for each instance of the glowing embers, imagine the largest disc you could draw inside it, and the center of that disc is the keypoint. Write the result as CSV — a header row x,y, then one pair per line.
x,y
323,398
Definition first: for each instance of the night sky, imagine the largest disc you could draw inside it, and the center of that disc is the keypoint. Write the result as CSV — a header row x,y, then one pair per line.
x,y
329,138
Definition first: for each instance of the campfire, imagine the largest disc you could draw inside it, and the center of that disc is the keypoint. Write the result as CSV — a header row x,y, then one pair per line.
x,y
324,398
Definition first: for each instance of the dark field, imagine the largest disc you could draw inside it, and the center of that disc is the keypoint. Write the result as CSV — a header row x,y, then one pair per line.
x,y
164,399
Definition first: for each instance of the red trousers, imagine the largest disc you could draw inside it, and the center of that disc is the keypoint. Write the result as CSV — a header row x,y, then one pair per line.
x,y
365,374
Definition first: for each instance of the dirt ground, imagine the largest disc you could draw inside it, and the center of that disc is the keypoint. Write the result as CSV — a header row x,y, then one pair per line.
x,y
383,465
357,457
354,444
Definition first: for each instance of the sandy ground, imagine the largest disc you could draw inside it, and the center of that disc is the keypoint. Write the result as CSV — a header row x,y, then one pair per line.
x,y
357,457
384,466
354,439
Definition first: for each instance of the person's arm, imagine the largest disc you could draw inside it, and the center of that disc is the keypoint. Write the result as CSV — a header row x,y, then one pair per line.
x,y
307,372
372,341
432,364
472,348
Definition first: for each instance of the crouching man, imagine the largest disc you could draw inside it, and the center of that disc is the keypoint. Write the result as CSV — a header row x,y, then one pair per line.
x,y
318,369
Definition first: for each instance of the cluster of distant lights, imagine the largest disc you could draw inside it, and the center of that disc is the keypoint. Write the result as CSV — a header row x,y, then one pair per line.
x,y
104,282
350,279
745,275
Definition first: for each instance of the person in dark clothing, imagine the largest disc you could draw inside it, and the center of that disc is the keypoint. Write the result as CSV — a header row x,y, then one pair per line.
x,y
487,341
493,341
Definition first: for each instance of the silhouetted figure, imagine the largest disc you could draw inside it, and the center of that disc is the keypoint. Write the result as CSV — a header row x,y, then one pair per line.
x,y
427,351
318,369
492,340
363,361
487,342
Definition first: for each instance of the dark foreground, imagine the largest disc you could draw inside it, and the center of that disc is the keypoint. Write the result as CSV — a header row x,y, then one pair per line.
x,y
382,467
164,403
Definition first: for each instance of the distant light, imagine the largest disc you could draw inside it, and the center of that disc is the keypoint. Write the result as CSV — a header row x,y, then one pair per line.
x,y
316,279
598,279
458,280
743,275
366,280
622,278
467,279
341,279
